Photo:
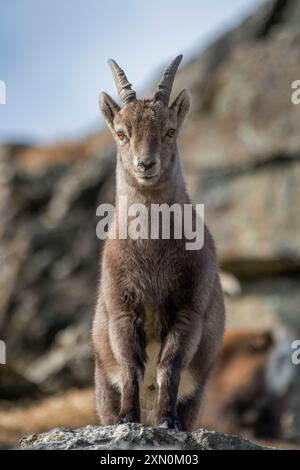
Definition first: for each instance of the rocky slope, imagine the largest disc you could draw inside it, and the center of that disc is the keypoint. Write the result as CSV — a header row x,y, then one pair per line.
x,y
134,436
241,154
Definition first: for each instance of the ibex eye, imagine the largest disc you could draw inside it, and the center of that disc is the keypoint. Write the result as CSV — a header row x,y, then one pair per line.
x,y
170,132
121,135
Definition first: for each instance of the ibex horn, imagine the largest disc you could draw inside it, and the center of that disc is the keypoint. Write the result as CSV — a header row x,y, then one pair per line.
x,y
164,88
126,94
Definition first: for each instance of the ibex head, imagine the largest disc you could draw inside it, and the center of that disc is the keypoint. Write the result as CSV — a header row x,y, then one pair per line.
x,y
145,130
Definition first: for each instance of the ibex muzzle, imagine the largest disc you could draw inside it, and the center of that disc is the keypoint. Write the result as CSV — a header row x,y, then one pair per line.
x,y
146,164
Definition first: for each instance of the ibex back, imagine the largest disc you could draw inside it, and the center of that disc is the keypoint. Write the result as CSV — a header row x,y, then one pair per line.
x,y
159,319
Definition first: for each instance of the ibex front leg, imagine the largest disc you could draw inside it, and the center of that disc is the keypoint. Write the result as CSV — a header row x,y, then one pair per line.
x,y
177,351
128,350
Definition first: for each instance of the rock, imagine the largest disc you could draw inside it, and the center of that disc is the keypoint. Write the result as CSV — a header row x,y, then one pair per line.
x,y
241,90
253,216
266,303
241,145
68,361
133,436
49,255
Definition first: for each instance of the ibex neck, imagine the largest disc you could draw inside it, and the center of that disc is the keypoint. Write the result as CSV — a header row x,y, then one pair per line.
x,y
171,191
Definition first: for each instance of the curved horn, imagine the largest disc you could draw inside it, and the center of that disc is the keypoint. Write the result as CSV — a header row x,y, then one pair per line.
x,y
164,88
126,94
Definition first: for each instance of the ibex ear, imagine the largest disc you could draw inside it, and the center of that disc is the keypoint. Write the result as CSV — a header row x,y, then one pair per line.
x,y
181,105
109,108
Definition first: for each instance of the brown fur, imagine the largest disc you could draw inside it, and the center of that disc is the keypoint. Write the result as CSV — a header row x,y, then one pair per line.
x,y
154,294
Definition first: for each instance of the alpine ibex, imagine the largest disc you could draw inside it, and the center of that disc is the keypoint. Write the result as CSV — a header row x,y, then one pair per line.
x,y
159,319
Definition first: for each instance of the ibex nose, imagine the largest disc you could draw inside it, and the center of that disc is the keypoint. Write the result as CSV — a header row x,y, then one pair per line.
x,y
146,165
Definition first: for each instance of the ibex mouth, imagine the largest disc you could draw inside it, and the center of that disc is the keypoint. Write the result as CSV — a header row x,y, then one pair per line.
x,y
147,179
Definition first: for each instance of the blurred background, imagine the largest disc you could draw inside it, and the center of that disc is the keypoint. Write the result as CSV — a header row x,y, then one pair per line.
x,y
241,155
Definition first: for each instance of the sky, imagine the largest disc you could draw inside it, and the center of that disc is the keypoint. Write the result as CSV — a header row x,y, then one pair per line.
x,y
53,55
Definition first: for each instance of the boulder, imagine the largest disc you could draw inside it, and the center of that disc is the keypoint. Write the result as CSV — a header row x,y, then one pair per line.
x,y
134,436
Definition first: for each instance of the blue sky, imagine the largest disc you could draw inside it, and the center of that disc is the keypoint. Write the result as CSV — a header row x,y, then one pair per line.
x,y
53,55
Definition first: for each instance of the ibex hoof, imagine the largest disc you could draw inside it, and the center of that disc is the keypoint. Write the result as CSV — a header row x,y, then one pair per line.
x,y
130,417
170,422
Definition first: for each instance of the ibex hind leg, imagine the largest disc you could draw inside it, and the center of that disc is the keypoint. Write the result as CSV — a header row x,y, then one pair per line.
x,y
188,410
107,399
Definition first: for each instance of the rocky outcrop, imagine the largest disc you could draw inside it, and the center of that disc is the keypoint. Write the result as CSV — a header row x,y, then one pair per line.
x,y
49,258
241,144
134,436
